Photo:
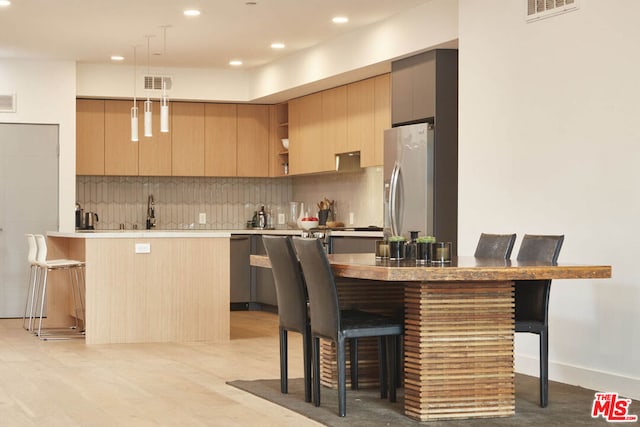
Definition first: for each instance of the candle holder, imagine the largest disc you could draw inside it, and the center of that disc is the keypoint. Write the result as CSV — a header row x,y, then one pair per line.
x,y
423,252
440,252
396,250
382,249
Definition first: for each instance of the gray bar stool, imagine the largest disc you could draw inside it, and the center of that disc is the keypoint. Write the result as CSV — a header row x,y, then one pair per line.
x,y
76,274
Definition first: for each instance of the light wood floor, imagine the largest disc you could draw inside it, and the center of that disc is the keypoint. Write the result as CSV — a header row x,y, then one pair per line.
x,y
67,383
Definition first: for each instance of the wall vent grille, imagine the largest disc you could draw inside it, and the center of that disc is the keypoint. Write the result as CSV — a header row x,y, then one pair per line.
x,y
539,9
8,103
155,82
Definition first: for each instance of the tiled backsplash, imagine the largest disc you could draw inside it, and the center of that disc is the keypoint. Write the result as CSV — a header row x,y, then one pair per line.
x,y
357,192
227,202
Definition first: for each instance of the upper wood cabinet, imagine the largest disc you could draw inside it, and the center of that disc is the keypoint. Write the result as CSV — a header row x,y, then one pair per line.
x,y
372,154
120,153
154,152
352,117
220,139
253,140
307,153
334,120
90,137
209,139
360,114
187,139
278,130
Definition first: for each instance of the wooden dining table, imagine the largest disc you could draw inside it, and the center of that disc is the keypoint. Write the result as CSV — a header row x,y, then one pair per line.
x,y
459,327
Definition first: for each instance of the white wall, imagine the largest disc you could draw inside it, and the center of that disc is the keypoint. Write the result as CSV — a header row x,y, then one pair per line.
x,y
353,56
116,81
46,94
431,24
549,143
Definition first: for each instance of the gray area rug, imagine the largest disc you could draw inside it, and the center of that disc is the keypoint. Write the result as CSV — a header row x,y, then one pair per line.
x,y
568,406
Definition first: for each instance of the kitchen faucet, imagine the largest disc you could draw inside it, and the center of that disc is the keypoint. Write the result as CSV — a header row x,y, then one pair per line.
x,y
151,216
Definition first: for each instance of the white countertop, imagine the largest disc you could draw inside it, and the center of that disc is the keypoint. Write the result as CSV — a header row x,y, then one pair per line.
x,y
147,234
139,234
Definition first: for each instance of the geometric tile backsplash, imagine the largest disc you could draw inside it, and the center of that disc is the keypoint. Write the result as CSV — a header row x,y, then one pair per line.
x,y
227,202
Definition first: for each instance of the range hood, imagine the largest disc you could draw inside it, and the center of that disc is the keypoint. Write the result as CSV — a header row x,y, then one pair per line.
x,y
348,162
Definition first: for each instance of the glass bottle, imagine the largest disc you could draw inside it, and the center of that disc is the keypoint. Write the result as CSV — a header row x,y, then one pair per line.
x,y
410,249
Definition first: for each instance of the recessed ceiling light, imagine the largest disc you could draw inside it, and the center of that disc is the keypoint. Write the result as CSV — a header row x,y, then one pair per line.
x,y
340,20
277,45
5,3
235,63
117,58
191,12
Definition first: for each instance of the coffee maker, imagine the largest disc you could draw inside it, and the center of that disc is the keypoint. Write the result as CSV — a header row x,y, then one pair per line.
x,y
85,220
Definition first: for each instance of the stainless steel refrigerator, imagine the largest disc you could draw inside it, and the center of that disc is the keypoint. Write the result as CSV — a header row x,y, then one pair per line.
x,y
421,180
409,166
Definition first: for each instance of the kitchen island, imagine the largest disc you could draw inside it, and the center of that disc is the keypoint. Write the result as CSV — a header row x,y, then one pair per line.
x,y
459,328
155,286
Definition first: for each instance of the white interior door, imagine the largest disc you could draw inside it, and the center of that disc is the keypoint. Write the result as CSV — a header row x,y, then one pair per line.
x,y
28,203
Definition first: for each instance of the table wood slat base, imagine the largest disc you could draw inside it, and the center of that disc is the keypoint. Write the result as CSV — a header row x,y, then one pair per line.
x,y
459,350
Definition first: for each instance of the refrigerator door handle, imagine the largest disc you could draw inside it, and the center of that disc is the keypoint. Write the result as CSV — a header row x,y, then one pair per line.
x,y
393,198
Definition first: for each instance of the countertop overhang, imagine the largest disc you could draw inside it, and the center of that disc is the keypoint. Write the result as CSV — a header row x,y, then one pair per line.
x,y
148,234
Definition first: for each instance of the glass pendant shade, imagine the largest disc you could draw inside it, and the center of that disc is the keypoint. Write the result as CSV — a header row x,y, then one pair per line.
x,y
134,124
147,119
164,115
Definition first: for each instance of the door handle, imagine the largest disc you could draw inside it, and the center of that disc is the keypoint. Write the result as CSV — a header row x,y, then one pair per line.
x,y
393,194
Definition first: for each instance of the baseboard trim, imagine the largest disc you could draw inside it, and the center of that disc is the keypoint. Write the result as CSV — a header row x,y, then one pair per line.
x,y
583,377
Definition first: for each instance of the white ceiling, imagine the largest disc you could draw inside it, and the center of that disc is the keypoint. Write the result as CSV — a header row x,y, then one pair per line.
x,y
90,31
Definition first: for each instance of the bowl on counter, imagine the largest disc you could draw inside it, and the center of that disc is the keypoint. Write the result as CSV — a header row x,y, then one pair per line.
x,y
308,225
285,143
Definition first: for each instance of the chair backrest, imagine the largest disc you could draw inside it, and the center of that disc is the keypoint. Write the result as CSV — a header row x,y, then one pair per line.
x,y
321,286
495,246
32,251
532,296
291,290
540,248
41,243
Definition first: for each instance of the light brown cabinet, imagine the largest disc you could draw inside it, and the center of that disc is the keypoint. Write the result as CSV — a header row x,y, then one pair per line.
x,y
90,137
187,139
307,153
154,153
343,119
360,105
253,140
372,154
120,153
208,139
220,139
278,130
334,120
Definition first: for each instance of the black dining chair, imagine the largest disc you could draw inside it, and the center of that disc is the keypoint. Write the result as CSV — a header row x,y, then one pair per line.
x,y
329,322
532,300
291,294
495,246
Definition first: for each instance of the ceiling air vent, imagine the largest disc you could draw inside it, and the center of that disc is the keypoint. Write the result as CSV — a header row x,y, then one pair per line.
x,y
8,103
539,9
155,82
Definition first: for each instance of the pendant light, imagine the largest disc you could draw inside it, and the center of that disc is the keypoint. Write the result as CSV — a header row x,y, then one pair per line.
x,y
134,109
147,104
164,101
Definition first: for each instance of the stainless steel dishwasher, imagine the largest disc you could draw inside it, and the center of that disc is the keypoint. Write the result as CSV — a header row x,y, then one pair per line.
x,y
240,272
